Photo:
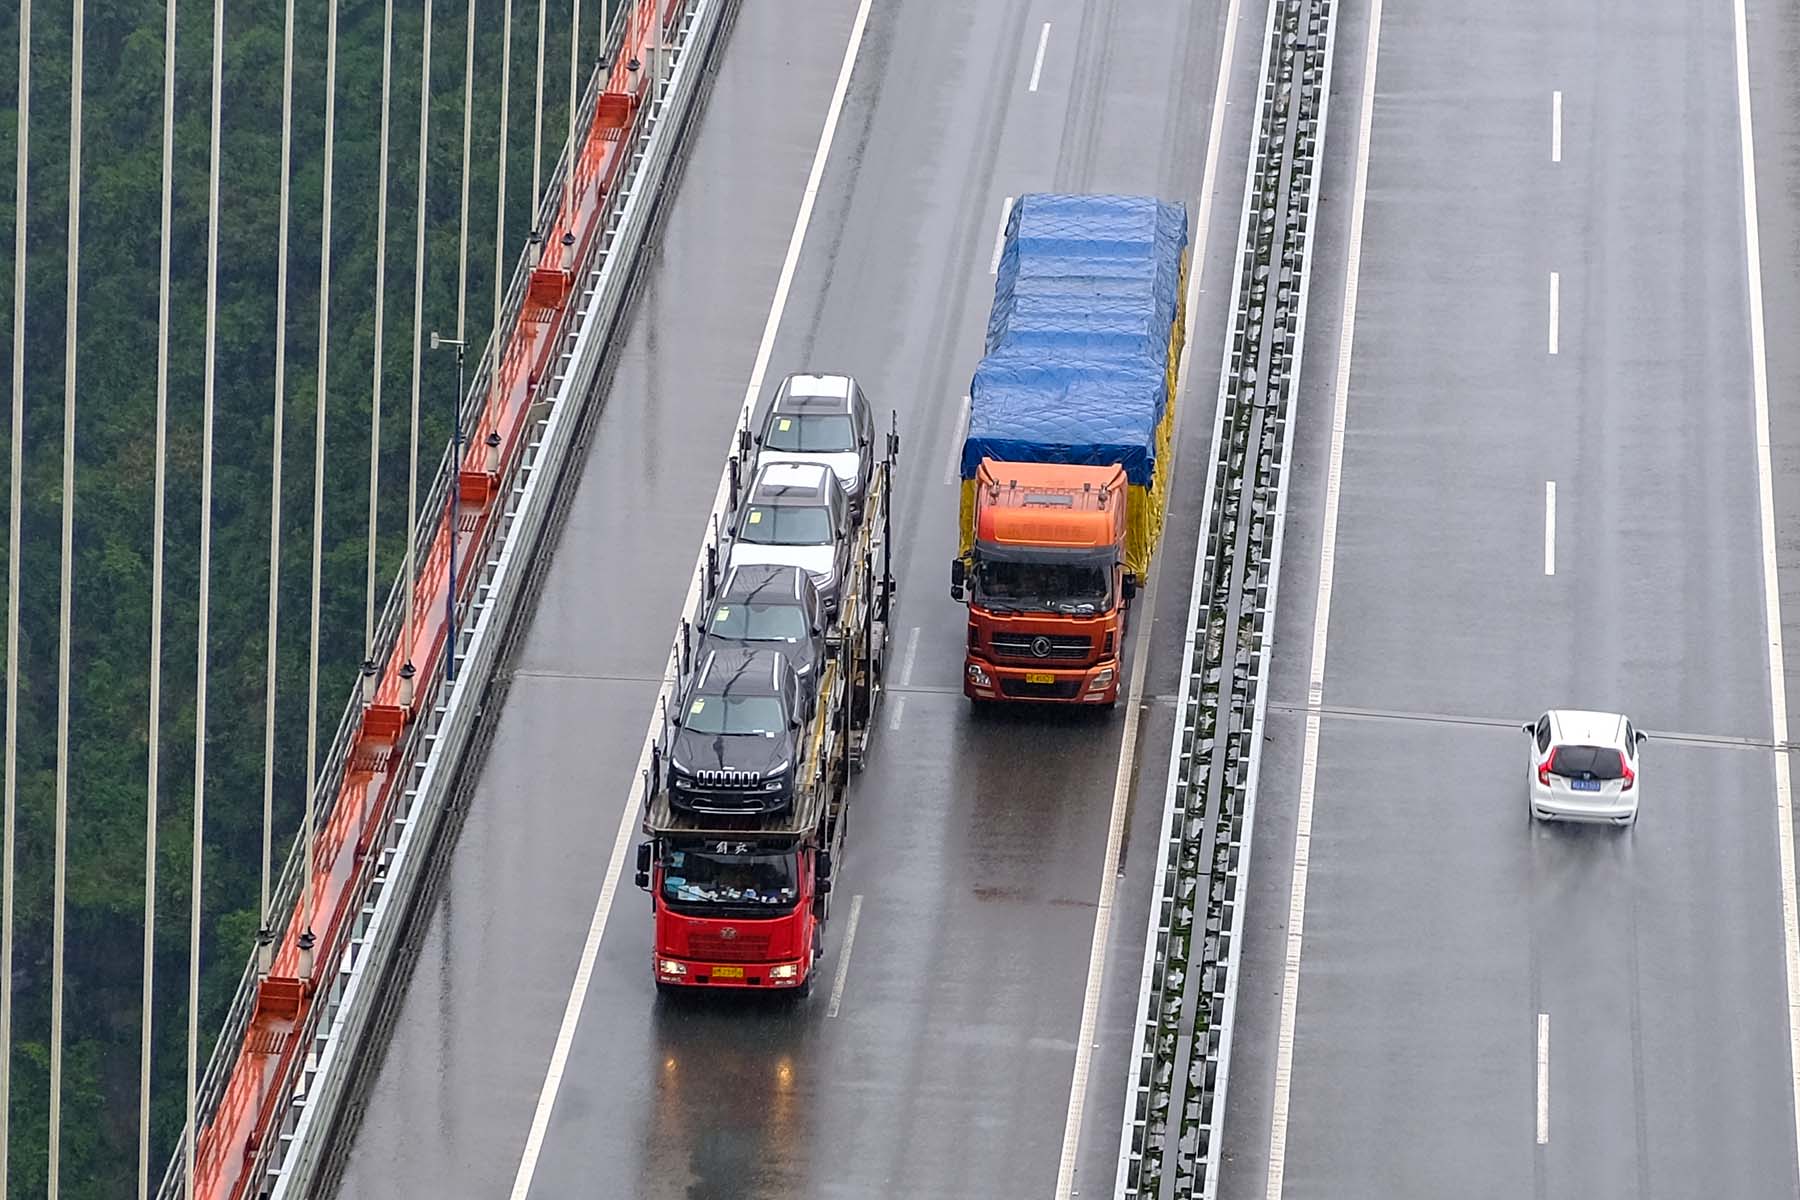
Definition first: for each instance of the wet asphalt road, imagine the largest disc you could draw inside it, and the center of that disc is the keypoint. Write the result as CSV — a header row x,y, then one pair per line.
x,y
1439,921
976,845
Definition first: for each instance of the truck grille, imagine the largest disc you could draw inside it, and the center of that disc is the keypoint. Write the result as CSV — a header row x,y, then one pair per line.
x,y
1019,689
745,947
1025,645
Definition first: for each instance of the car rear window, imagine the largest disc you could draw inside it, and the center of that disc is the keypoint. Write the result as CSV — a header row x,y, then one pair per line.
x,y
1586,762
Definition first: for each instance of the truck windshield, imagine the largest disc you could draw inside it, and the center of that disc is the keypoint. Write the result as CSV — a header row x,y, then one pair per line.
x,y
735,715
786,525
1060,587
760,622
698,879
815,433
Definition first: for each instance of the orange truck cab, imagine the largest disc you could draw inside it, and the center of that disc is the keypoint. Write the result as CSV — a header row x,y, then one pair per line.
x,y
1046,583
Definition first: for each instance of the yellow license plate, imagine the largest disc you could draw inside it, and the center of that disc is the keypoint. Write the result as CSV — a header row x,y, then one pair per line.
x,y
1039,677
728,972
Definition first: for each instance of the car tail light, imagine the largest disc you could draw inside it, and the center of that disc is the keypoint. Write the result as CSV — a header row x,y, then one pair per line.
x,y
1544,769
1627,774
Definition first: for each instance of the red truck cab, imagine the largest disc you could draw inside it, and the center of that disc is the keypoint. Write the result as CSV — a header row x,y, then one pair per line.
x,y
1046,584
734,910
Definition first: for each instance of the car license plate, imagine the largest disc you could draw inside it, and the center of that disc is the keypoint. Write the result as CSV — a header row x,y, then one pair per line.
x,y
728,972
1585,785
1039,677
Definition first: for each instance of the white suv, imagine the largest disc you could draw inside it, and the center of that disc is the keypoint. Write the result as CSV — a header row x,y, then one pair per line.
x,y
1585,767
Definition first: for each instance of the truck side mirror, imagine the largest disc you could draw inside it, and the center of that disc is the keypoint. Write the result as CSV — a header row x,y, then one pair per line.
x,y
643,865
1128,586
824,873
959,575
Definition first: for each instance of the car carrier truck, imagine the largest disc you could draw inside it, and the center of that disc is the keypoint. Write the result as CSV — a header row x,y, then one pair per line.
x,y
1066,464
740,900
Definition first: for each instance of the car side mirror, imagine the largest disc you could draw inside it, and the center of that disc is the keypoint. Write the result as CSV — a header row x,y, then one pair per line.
x,y
1642,737
643,865
794,723
1529,727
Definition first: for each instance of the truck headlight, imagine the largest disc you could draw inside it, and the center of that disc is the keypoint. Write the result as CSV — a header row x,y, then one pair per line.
x,y
669,966
1102,677
784,971
979,677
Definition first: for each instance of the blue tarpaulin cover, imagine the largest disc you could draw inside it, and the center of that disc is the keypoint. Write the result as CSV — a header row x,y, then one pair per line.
x,y
1077,367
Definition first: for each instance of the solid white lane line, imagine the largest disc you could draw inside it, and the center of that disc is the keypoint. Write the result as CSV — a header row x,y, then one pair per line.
x,y
590,950
1000,236
1556,127
1315,688
912,652
1555,306
843,971
1037,67
1759,374
899,709
1550,527
1543,1079
953,471
1140,651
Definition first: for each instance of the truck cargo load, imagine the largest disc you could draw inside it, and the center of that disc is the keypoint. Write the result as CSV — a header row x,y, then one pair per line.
x,y
1082,350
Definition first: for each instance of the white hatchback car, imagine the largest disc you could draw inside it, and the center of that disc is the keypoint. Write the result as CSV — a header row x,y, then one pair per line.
x,y
1584,767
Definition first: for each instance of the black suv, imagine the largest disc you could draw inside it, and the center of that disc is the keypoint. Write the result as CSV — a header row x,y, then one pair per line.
x,y
763,605
738,735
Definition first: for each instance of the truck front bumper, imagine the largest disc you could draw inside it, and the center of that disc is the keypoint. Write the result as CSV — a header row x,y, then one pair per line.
x,y
985,680
688,972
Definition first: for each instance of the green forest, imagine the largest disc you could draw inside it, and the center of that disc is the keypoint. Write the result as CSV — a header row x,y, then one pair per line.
x,y
116,389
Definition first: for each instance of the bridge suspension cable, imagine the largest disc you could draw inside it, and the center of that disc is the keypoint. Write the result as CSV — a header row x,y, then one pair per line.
x,y
574,72
381,209
154,777
308,821
500,199
537,131
206,473
65,605
23,156
418,336
265,934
